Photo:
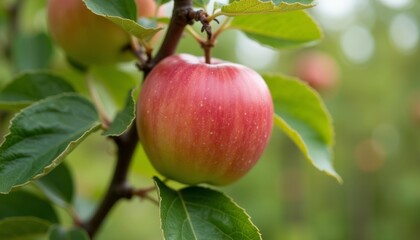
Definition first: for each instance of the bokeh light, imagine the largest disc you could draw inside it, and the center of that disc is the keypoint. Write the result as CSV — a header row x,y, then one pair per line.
x,y
404,32
250,53
396,4
357,43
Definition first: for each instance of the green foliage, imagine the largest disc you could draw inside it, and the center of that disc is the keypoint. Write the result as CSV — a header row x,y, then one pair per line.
x,y
202,213
30,87
121,13
59,233
42,135
117,8
113,84
58,186
281,30
32,51
124,119
294,1
21,204
245,7
301,114
23,228
57,119
201,3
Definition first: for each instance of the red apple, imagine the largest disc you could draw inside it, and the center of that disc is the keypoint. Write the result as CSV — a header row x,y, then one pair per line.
x,y
204,123
318,69
88,38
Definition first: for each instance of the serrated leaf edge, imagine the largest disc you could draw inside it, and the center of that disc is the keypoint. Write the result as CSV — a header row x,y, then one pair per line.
x,y
282,7
72,145
156,181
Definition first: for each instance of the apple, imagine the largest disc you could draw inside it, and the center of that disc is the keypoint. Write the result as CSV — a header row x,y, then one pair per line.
x,y
318,69
88,38
204,123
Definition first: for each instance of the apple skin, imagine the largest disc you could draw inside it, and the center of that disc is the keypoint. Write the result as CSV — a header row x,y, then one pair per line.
x,y
318,69
204,123
88,38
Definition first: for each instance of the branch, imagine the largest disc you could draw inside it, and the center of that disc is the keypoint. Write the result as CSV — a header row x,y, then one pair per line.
x,y
118,188
181,17
126,143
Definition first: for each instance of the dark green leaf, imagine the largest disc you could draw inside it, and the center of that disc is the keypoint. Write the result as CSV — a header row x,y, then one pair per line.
x,y
279,30
42,135
59,233
31,87
23,228
302,115
124,119
202,213
20,204
247,7
32,51
124,14
58,185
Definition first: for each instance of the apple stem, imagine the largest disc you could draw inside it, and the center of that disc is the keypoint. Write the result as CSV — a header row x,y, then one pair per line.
x,y
207,52
143,193
203,17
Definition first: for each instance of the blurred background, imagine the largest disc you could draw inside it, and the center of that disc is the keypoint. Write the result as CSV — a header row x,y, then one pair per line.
x,y
370,55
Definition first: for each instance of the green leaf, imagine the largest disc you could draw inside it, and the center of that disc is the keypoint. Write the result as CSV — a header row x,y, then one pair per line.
x,y
218,4
161,2
112,85
294,1
23,228
301,114
32,51
42,135
281,30
202,213
201,3
124,14
31,87
124,119
20,204
59,233
246,7
58,185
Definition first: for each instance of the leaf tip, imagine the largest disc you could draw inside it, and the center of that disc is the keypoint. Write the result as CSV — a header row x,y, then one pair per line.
x,y
335,175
